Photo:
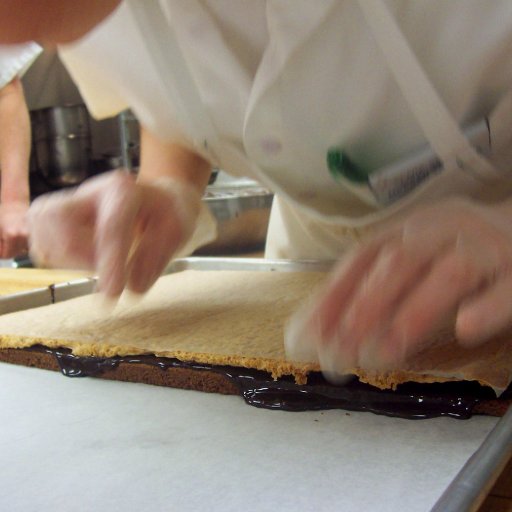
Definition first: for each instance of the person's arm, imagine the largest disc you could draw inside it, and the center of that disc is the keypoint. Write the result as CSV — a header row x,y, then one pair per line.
x,y
126,230
160,158
14,164
447,267
14,143
183,176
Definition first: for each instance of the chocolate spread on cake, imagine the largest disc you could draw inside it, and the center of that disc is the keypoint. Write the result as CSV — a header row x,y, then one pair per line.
x,y
411,400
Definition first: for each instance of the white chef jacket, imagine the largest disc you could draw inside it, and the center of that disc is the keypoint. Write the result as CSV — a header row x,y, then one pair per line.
x,y
280,82
15,60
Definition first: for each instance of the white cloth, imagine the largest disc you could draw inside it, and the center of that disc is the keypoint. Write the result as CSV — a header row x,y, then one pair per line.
x,y
15,60
282,81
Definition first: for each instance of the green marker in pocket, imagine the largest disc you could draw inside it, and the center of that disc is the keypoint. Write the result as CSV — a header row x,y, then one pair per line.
x,y
340,165
393,182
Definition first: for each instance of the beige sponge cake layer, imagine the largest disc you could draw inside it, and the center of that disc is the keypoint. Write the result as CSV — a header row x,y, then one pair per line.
x,y
233,318
217,317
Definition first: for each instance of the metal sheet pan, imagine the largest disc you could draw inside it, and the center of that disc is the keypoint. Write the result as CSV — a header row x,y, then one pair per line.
x,y
46,296
212,263
78,287
465,492
474,481
25,300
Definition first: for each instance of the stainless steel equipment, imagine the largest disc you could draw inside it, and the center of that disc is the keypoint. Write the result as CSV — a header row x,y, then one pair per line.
x,y
129,135
242,211
62,144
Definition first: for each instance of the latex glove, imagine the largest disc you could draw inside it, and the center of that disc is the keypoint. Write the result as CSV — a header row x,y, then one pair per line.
x,y
124,230
446,266
13,229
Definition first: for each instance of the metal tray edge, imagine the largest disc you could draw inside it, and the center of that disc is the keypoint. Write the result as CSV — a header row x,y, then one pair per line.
x,y
25,300
71,289
469,488
257,264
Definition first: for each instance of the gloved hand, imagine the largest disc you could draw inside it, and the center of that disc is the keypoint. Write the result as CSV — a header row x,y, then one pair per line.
x,y
445,266
124,230
13,229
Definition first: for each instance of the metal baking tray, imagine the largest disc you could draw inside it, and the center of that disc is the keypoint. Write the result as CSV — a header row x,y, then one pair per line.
x,y
242,211
83,286
468,489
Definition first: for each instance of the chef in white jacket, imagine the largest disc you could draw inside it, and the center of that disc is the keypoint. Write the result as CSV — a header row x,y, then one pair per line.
x,y
322,102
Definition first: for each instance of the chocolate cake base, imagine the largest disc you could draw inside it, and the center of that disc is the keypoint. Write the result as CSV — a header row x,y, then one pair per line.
x,y
411,400
126,371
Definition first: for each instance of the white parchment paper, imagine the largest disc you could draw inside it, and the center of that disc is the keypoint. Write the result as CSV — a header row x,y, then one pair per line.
x,y
88,444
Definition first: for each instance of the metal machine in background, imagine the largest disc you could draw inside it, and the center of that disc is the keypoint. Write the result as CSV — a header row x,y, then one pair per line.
x,y
62,144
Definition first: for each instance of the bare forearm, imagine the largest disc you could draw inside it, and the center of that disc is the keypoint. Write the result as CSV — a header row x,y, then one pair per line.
x,y
160,159
14,144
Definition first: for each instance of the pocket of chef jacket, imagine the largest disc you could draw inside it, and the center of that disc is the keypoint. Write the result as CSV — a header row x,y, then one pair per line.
x,y
452,182
457,181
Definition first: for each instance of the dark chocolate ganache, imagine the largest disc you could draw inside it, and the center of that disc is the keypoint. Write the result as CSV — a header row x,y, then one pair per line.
x,y
410,400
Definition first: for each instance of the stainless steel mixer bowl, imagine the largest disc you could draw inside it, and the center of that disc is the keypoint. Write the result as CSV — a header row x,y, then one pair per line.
x,y
62,144
63,161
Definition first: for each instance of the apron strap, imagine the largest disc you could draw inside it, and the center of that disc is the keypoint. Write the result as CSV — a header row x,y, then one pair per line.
x,y
177,78
437,123
175,74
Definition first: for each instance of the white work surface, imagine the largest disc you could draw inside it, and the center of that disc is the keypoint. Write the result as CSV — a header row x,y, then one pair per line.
x,y
88,444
